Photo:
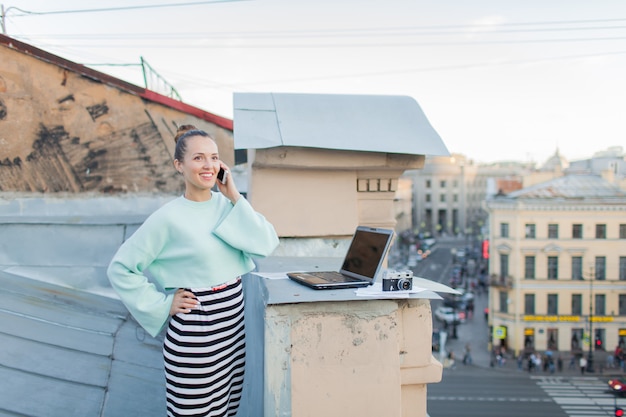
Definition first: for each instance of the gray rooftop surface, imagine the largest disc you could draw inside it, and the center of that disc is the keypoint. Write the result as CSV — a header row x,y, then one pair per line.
x,y
68,352
372,123
71,353
572,187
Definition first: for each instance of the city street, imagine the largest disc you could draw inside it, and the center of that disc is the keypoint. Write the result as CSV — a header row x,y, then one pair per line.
x,y
485,388
482,393
474,391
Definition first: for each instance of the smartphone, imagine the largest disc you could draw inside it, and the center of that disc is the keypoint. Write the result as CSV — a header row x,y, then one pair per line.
x,y
222,176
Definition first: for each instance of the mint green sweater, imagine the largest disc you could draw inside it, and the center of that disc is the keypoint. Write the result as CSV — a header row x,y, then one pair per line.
x,y
187,244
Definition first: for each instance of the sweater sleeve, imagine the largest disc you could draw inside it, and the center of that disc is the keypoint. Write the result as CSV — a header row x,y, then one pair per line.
x,y
149,306
245,229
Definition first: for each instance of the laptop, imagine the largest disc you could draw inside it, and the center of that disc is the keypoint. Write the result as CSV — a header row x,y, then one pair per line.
x,y
361,264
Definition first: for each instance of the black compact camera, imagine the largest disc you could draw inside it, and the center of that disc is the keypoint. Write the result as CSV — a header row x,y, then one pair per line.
x,y
397,280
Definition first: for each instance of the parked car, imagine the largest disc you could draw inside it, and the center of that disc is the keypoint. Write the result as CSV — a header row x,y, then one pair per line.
x,y
462,302
449,315
436,340
617,386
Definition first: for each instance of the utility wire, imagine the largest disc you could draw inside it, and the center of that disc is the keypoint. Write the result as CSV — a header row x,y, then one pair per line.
x,y
430,69
126,45
300,34
115,9
462,67
477,29
3,14
154,6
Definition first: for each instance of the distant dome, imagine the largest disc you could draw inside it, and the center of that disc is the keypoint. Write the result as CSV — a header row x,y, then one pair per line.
x,y
555,162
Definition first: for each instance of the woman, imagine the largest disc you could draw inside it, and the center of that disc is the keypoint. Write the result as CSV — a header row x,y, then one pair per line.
x,y
197,247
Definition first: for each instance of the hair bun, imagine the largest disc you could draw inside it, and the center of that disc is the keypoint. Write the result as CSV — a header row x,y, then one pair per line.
x,y
182,130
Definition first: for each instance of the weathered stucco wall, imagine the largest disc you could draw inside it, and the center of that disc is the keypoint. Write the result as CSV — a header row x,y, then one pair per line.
x,y
61,131
357,358
309,192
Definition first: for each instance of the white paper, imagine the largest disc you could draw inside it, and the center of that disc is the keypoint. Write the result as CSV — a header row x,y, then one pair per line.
x,y
272,275
376,290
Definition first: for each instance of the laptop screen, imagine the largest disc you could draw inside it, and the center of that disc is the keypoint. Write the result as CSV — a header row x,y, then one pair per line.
x,y
366,251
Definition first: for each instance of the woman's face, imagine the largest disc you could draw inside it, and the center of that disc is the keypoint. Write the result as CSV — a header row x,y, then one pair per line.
x,y
200,165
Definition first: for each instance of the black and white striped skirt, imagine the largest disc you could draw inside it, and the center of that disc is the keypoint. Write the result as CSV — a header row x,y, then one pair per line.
x,y
204,353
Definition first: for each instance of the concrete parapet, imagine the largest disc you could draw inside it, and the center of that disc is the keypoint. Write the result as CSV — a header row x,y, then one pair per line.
x,y
333,353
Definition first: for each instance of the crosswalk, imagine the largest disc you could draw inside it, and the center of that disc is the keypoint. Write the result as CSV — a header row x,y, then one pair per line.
x,y
581,396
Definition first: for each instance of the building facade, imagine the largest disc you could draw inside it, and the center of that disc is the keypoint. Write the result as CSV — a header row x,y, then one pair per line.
x,y
558,266
448,193
441,194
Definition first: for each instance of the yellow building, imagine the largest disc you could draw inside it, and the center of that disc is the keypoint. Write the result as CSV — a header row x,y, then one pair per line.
x,y
558,266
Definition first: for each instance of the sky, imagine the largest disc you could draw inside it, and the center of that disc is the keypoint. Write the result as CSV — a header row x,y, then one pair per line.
x,y
497,79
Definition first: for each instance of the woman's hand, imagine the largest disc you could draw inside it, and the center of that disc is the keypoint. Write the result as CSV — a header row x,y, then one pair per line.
x,y
229,190
184,302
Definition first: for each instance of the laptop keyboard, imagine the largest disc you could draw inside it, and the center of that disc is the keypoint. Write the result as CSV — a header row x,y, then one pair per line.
x,y
333,276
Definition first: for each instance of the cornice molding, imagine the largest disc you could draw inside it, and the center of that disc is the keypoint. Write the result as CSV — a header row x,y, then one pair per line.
x,y
504,248
552,248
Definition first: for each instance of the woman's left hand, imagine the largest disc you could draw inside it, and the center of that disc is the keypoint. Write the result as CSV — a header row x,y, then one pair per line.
x,y
183,302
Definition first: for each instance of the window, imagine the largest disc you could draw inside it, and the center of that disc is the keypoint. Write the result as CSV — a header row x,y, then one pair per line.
x,y
428,198
553,304
443,183
455,183
622,268
577,304
553,339
622,231
504,265
442,198
455,198
577,338
577,267
529,338
529,267
530,231
553,231
553,267
600,268
427,183
600,231
504,230
622,304
504,304
600,305
577,231
529,304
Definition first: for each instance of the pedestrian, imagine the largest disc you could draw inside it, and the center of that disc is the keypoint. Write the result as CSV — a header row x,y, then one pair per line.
x,y
500,356
451,360
559,363
582,362
572,362
551,365
610,361
538,362
196,247
467,357
618,356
